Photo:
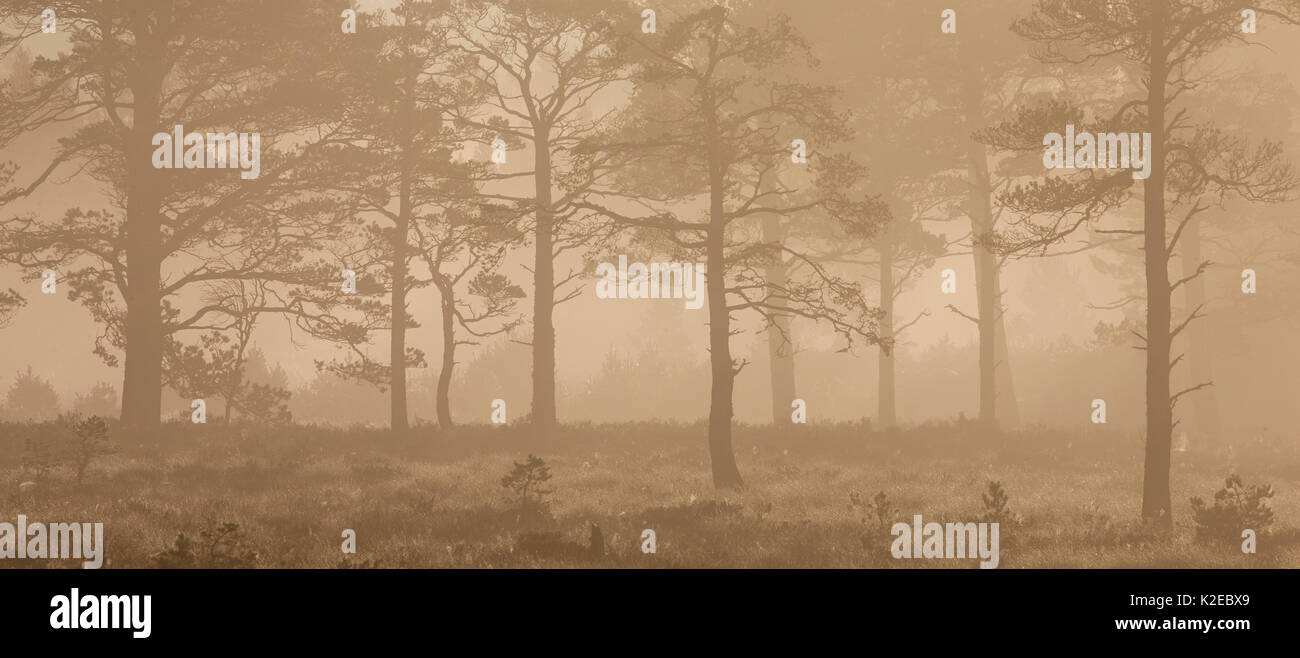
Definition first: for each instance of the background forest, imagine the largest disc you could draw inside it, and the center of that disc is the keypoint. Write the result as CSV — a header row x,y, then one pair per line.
x,y
394,328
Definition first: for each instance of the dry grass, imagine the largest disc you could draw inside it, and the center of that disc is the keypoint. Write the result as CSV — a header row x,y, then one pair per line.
x,y
433,499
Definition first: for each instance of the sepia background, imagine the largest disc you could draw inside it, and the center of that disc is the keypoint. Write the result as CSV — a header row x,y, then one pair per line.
x,y
478,278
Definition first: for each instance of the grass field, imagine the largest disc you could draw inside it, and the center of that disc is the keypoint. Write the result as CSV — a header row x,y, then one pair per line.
x,y
435,499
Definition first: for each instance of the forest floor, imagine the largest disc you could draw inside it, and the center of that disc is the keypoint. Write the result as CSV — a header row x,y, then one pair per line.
x,y
435,499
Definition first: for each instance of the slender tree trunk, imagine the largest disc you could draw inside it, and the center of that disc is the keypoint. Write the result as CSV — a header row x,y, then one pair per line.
x,y
1205,402
780,344
397,344
543,286
997,394
443,401
142,371
1008,408
986,278
721,455
401,233
1156,504
886,407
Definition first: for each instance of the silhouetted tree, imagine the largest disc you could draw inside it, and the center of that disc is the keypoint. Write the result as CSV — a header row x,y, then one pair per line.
x,y
394,165
1157,48
544,62
31,397
100,400
467,251
217,366
131,71
714,114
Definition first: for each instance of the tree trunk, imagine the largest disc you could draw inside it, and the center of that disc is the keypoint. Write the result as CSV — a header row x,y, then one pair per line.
x,y
997,393
886,408
543,414
401,233
397,343
780,344
721,455
1008,408
1156,505
443,401
723,459
1205,402
142,368
986,276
